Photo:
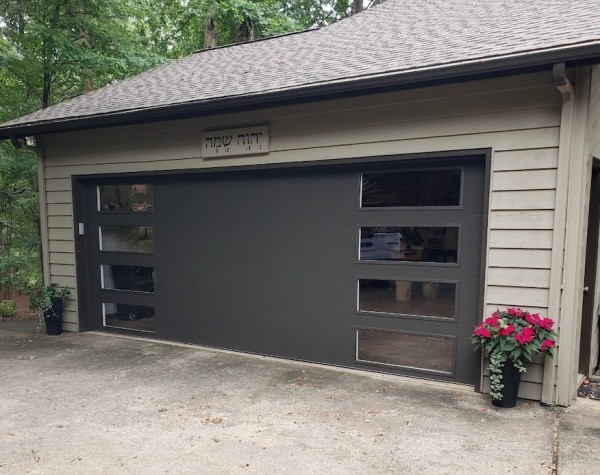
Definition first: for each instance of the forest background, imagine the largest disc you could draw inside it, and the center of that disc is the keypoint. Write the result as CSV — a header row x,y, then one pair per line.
x,y
52,50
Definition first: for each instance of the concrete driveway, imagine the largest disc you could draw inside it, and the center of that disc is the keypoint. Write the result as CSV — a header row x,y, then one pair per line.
x,y
99,404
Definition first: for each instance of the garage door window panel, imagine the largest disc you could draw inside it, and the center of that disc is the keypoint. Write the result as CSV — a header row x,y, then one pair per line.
x,y
412,188
412,351
127,278
129,316
125,198
433,244
412,298
126,238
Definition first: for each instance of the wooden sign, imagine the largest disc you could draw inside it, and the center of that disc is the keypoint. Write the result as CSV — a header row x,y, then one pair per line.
x,y
235,142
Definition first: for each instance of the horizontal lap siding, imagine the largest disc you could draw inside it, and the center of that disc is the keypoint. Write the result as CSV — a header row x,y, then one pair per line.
x,y
521,223
517,118
61,244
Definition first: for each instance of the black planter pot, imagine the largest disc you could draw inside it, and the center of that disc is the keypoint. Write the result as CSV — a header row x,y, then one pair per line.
x,y
511,377
53,317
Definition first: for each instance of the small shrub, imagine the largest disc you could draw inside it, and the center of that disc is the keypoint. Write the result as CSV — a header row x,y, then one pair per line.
x,y
8,308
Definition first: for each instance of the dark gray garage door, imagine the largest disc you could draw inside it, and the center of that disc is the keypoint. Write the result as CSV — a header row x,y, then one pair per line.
x,y
366,266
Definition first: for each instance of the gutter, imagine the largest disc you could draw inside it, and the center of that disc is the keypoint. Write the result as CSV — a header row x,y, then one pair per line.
x,y
422,77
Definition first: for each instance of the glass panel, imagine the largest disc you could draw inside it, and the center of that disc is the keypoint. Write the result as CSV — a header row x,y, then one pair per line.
x,y
125,198
126,238
404,349
134,317
422,244
435,299
140,279
411,188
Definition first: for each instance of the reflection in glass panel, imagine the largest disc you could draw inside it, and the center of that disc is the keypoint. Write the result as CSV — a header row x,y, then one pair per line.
x,y
140,279
405,349
411,188
126,238
133,317
125,198
419,244
435,299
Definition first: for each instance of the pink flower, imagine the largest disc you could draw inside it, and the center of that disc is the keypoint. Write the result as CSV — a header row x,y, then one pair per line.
x,y
492,321
506,331
546,344
525,336
511,311
533,319
546,323
482,331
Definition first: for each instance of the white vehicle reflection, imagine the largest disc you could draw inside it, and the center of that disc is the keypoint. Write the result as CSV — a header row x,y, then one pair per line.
x,y
383,246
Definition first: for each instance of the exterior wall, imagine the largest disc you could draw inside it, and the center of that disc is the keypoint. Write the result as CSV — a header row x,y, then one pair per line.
x,y
594,147
518,118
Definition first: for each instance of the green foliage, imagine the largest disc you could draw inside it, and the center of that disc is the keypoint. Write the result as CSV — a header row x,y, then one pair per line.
x,y
173,28
19,214
40,298
8,308
61,48
497,362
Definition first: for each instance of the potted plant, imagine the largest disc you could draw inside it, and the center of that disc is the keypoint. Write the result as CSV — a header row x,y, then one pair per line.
x,y
510,337
49,300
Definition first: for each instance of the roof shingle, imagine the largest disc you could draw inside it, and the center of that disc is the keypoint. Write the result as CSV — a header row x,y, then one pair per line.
x,y
395,38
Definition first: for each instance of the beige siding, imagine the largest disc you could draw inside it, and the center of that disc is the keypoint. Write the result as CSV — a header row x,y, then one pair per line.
x,y
523,195
517,119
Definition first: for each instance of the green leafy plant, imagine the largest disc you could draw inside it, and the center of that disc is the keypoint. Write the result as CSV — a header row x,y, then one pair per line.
x,y
8,308
41,297
516,335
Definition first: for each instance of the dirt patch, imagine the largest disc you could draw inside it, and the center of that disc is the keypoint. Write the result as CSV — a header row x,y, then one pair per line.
x,y
23,310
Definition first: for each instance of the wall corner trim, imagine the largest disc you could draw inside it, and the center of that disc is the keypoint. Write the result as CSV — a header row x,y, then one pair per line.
x,y
566,284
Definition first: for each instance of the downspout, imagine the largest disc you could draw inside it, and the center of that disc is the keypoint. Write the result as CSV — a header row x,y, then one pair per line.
x,y
567,91
21,143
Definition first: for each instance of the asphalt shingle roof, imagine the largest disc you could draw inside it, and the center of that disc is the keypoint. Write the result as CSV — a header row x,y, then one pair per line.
x,y
396,38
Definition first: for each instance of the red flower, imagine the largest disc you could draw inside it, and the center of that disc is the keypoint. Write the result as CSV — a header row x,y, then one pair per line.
x,y
525,336
533,319
515,312
546,344
482,331
492,321
506,331
546,323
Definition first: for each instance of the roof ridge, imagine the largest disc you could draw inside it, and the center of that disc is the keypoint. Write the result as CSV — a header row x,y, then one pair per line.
x,y
257,40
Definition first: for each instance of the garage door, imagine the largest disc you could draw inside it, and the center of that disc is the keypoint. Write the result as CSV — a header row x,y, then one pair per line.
x,y
370,266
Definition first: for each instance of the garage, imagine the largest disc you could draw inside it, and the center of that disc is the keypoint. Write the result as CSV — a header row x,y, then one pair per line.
x,y
372,264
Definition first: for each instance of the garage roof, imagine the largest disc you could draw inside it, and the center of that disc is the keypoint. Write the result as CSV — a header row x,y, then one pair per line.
x,y
397,42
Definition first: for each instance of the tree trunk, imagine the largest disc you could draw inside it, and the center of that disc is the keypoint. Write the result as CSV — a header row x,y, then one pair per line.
x,y
210,33
246,31
356,7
